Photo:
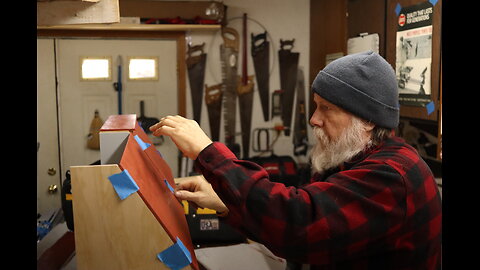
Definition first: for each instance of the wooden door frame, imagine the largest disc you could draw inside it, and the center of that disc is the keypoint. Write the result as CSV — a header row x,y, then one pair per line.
x,y
179,36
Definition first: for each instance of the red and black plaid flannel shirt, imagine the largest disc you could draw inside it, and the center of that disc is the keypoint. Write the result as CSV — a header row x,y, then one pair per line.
x,y
380,211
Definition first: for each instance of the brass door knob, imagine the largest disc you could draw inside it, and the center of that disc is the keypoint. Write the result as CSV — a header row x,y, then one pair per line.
x,y
52,189
52,171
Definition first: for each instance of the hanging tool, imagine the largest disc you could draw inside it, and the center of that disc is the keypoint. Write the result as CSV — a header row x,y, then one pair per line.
x,y
146,122
245,95
196,75
260,49
93,139
300,137
258,146
118,85
277,103
229,63
213,99
288,78
266,146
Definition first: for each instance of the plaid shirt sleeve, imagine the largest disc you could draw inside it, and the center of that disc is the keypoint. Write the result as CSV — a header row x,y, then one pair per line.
x,y
383,210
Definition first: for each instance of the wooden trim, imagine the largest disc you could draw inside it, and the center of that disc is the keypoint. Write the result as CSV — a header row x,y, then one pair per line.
x,y
179,36
134,27
181,74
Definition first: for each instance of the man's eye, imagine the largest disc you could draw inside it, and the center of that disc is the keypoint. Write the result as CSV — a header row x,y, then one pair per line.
x,y
324,107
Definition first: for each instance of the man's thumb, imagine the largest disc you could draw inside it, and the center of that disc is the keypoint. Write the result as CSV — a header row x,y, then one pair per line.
x,y
185,195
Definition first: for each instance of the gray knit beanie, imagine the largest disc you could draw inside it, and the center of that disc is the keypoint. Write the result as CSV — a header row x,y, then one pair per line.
x,y
363,84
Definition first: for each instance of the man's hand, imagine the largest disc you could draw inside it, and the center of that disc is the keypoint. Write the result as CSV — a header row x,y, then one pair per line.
x,y
196,189
185,133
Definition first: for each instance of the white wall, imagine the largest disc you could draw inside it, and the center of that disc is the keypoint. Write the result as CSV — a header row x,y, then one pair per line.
x,y
283,19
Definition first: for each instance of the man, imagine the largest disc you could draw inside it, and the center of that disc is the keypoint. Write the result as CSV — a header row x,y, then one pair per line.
x,y
372,202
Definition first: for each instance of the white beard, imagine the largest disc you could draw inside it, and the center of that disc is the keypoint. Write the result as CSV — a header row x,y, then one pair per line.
x,y
327,154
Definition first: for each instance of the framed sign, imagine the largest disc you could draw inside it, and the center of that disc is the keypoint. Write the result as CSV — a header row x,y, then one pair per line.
x,y
413,49
414,54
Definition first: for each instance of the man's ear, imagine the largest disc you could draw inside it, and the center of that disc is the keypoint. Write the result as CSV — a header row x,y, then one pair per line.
x,y
368,126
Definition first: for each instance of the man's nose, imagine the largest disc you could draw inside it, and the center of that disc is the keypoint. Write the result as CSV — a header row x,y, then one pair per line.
x,y
316,120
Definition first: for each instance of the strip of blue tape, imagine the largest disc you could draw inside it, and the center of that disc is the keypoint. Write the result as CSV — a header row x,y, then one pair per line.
x,y
176,256
433,2
430,107
398,8
169,186
123,184
142,144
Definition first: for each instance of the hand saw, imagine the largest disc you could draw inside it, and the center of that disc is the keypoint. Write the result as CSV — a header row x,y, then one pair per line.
x,y
229,63
300,138
261,60
196,75
213,99
288,78
245,95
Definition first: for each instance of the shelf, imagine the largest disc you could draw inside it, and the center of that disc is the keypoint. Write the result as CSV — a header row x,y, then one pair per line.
x,y
135,27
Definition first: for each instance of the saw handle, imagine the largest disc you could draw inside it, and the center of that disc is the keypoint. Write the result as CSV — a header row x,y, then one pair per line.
x,y
230,38
258,46
286,43
258,146
193,49
255,38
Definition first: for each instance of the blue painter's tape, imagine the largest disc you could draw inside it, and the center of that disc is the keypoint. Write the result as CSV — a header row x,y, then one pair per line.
x,y
169,186
433,2
176,256
398,8
123,183
142,144
430,107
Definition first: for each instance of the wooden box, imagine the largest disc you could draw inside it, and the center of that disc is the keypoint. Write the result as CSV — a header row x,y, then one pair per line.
x,y
137,224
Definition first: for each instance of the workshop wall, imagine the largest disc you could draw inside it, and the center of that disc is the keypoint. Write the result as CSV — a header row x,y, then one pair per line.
x,y
282,19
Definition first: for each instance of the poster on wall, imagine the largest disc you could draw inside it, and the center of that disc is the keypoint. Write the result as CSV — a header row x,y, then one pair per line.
x,y
414,54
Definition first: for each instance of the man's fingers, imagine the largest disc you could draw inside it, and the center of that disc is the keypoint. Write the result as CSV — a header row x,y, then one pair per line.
x,y
185,195
163,130
163,121
188,184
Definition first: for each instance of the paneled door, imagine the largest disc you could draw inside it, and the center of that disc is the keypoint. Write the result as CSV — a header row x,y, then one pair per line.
x,y
48,162
87,70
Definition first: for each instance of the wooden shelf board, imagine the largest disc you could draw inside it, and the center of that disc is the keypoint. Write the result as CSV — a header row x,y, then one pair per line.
x,y
134,27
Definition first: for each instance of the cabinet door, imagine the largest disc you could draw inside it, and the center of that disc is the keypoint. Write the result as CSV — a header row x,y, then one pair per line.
x,y
79,98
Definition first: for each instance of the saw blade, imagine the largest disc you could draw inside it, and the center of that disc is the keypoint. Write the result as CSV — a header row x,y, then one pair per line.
x,y
229,63
288,61
245,98
196,75
300,137
213,99
261,60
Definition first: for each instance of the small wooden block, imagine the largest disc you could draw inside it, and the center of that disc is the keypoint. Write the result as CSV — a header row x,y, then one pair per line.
x,y
120,122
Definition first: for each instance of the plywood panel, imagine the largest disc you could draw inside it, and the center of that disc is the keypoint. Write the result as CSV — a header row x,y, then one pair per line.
x,y
111,233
